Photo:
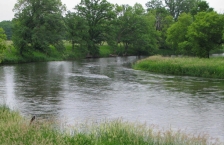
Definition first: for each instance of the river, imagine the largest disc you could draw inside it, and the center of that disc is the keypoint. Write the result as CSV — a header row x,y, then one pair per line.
x,y
108,88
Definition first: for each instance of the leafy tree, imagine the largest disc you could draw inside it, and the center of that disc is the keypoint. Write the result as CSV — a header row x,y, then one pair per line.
x,y
96,13
145,36
2,39
156,7
166,22
7,26
176,7
2,42
37,25
201,6
2,34
135,30
154,4
77,29
163,20
176,34
206,33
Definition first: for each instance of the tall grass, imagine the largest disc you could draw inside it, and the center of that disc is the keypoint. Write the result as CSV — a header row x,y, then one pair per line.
x,y
16,130
191,66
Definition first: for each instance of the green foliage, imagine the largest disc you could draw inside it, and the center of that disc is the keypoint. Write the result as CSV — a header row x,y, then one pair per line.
x,y
72,54
176,34
176,7
166,22
206,32
2,34
16,130
134,29
163,20
200,67
11,54
2,43
7,26
96,13
105,51
201,6
39,28
37,25
77,29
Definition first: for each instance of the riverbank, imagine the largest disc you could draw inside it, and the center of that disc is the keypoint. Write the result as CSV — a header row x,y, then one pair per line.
x,y
11,56
16,130
190,66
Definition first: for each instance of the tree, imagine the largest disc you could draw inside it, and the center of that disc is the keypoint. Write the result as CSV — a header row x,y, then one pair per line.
x,y
7,26
2,42
135,30
206,33
176,34
163,20
96,13
2,34
154,4
145,36
156,7
77,29
176,7
37,25
201,6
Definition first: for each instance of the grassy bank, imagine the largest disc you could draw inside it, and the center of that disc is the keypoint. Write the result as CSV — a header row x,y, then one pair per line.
x,y
11,55
16,130
199,67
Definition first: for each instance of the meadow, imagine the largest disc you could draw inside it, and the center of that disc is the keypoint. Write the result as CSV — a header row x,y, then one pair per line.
x,y
16,129
190,66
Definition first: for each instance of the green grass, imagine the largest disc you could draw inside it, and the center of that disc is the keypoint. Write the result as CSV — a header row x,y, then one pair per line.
x,y
11,55
105,51
190,66
16,130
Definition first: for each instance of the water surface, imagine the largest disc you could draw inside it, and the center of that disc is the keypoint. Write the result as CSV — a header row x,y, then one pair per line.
x,y
107,88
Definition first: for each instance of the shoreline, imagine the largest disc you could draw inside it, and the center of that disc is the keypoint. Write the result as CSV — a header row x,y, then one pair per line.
x,y
16,129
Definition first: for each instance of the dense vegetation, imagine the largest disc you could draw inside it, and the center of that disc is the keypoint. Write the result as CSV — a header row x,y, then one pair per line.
x,y
191,66
17,130
40,28
7,27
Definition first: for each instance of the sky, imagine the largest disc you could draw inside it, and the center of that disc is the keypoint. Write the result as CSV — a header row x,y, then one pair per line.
x,y
6,6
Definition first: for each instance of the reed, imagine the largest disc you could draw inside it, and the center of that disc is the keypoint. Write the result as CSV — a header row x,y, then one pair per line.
x,y
17,130
190,66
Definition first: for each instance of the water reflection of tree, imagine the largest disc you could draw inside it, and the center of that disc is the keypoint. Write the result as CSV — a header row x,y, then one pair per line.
x,y
40,85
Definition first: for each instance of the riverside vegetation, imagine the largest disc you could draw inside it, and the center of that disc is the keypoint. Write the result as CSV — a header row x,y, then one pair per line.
x,y
39,29
16,130
10,54
191,66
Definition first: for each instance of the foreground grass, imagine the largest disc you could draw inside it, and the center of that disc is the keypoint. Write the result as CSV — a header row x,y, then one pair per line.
x,y
191,66
16,130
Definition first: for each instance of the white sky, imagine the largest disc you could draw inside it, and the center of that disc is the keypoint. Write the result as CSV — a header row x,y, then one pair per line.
x,y
6,6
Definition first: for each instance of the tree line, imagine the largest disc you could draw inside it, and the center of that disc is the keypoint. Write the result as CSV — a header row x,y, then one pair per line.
x,y
188,27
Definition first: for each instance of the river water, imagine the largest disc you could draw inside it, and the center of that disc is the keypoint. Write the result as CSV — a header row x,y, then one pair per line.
x,y
108,88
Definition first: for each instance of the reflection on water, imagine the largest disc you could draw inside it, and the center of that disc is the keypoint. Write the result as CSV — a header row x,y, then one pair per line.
x,y
107,88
